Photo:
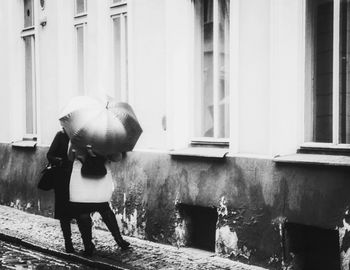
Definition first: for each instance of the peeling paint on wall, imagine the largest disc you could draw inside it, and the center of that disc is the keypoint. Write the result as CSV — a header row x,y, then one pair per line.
x,y
226,241
17,204
180,234
128,224
180,229
222,210
344,241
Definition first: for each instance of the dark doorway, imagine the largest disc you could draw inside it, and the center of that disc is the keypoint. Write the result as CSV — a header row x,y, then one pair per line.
x,y
313,248
200,225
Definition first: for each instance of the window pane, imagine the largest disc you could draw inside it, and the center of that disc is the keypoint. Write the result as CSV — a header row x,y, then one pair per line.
x,y
29,84
28,13
223,106
212,96
322,42
126,53
205,124
120,57
80,6
344,86
117,58
80,59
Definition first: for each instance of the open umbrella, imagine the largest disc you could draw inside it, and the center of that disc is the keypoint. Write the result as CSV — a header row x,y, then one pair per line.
x,y
109,129
132,129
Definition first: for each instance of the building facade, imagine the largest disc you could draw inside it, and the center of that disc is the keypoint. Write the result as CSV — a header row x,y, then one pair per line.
x,y
244,107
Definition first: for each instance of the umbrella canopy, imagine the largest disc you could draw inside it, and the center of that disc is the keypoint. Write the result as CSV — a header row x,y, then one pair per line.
x,y
125,114
108,129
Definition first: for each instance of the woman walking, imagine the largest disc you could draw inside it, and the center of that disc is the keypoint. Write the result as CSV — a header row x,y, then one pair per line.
x,y
91,188
57,156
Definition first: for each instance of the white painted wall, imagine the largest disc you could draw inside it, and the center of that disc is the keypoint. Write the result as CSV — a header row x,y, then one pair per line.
x,y
5,94
267,58
11,76
149,70
286,89
254,74
48,67
66,54
179,38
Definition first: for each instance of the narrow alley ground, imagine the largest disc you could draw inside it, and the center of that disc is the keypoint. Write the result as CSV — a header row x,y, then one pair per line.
x,y
43,234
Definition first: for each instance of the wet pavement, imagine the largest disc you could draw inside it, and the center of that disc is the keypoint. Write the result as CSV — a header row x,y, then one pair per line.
x,y
44,235
17,257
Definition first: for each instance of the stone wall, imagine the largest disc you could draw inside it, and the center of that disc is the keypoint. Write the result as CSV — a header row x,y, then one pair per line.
x,y
253,198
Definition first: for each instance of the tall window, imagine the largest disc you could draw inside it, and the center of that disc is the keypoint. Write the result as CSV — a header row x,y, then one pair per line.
x,y
80,21
120,51
80,37
328,71
80,7
118,1
28,35
212,68
28,13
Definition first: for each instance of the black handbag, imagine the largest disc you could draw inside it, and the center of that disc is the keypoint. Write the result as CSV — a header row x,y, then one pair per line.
x,y
48,177
94,166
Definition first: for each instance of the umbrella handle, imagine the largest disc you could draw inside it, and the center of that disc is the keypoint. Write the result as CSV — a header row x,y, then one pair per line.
x,y
90,151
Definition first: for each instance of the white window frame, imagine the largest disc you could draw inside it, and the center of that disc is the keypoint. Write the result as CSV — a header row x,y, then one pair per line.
x,y
32,32
33,86
216,76
80,21
82,25
335,88
119,10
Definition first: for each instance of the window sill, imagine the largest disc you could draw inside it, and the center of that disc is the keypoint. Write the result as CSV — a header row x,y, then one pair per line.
x,y
314,159
200,152
210,142
28,142
323,148
29,31
118,5
80,15
28,28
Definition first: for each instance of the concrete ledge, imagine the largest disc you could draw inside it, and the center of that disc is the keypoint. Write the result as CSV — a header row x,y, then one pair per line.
x,y
200,152
314,159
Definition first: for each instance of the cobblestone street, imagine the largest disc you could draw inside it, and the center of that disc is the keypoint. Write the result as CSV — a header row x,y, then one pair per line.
x,y
43,234
16,257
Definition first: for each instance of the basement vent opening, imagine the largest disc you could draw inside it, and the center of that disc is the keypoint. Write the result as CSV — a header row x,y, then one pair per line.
x,y
200,225
312,248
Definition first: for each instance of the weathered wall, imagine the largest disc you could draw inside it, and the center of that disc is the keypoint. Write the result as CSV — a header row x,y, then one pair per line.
x,y
251,196
20,169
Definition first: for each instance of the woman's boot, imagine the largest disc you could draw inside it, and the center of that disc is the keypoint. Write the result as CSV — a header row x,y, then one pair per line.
x,y
67,235
112,225
85,227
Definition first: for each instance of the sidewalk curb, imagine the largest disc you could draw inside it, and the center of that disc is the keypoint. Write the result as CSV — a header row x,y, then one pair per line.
x,y
67,256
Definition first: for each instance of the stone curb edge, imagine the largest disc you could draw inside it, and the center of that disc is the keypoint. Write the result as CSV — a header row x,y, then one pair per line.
x,y
71,257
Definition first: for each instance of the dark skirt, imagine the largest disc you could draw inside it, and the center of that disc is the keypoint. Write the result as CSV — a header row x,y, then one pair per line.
x,y
61,189
85,208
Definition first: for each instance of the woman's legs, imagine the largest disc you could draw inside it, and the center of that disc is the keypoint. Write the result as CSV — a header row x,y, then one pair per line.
x,y
85,227
67,234
112,225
